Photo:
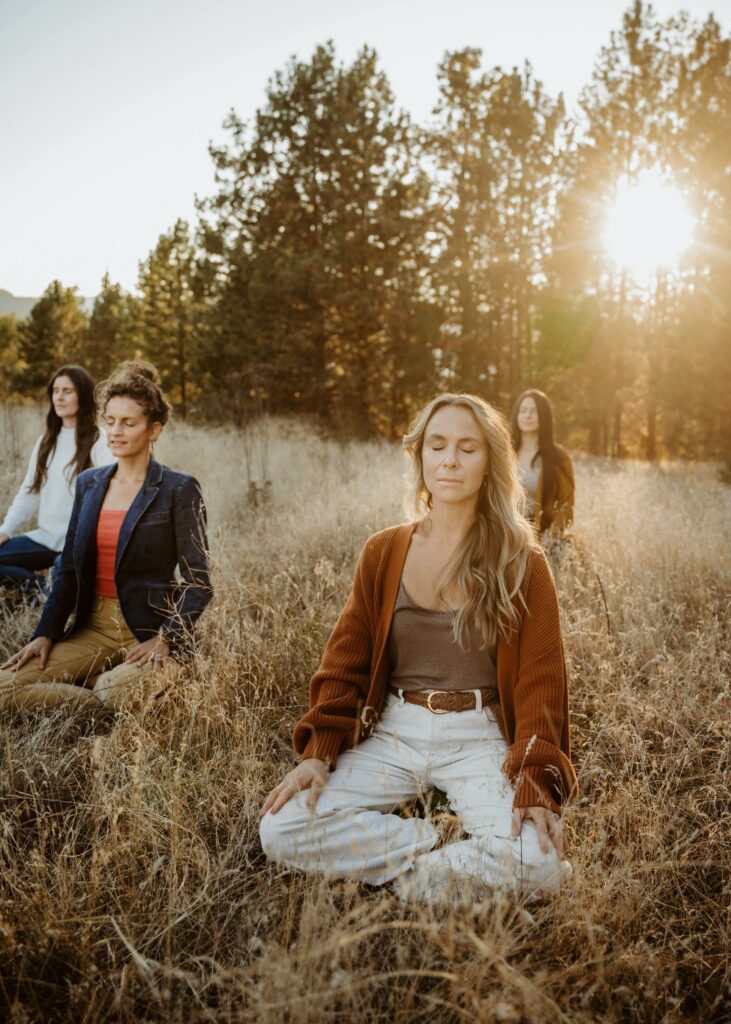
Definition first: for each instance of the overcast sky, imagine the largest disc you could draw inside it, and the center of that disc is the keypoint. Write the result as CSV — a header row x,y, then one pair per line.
x,y
107,108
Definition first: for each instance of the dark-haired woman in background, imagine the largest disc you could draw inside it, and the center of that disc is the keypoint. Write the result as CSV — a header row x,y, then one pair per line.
x,y
545,468
133,524
71,443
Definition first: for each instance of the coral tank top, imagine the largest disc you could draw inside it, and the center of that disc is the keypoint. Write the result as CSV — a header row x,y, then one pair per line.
x,y
107,534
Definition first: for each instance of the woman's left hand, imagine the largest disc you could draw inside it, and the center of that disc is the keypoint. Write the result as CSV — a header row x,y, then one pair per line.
x,y
153,650
547,824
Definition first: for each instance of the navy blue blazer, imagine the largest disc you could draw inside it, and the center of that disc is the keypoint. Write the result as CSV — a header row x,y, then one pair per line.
x,y
164,528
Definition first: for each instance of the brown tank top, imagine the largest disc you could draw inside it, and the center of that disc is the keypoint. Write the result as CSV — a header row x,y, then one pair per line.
x,y
423,654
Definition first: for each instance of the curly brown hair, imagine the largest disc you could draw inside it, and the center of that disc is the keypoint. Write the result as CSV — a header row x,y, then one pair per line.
x,y
139,380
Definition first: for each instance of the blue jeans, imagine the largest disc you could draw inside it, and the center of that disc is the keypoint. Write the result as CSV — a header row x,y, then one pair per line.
x,y
20,558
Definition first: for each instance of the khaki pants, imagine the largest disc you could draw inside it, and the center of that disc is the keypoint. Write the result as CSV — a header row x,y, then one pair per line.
x,y
88,665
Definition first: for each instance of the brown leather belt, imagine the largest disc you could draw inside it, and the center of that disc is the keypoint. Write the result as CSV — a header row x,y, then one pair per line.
x,y
439,702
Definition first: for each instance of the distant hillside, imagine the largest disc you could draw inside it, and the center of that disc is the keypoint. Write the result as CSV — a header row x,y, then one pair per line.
x,y
15,305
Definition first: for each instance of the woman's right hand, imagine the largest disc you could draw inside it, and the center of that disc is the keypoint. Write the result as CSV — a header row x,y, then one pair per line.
x,y
38,648
4,539
309,774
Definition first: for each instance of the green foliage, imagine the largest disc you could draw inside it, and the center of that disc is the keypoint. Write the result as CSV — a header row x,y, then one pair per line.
x,y
170,310
52,334
111,334
320,223
497,147
350,264
10,355
659,98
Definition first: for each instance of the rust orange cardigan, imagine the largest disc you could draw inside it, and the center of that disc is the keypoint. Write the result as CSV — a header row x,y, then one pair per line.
x,y
349,688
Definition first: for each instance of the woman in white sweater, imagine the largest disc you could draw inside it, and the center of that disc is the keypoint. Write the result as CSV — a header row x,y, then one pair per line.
x,y
71,443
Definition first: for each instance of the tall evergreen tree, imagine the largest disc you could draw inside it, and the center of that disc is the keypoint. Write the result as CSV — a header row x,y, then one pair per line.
x,y
497,150
171,312
111,334
658,99
10,341
52,334
321,205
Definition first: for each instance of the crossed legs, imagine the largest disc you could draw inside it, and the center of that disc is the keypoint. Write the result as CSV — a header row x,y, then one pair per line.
x,y
88,666
353,831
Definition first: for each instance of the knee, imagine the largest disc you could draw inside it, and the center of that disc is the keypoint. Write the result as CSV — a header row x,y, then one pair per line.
x,y
273,838
274,835
536,871
115,686
280,834
12,679
104,688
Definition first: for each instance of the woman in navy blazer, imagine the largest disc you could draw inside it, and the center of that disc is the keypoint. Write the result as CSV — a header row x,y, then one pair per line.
x,y
132,525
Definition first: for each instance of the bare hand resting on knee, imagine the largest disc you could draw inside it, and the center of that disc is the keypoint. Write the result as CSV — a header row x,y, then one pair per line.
x,y
547,824
38,648
309,774
154,649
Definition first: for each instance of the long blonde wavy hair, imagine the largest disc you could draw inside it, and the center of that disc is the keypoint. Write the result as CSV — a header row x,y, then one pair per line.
x,y
489,566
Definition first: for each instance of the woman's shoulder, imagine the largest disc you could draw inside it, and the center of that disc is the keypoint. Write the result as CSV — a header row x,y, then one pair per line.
x,y
538,583
176,478
376,551
88,476
381,542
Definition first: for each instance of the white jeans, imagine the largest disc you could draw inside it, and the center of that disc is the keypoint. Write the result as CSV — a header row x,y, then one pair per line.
x,y
353,834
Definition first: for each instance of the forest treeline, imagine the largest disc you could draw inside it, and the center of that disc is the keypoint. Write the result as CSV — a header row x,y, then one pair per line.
x,y
351,262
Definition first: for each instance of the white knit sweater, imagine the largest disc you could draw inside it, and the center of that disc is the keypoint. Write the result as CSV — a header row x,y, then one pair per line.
x,y
51,508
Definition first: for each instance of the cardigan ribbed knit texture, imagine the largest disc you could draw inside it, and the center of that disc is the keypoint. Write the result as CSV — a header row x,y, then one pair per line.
x,y
349,688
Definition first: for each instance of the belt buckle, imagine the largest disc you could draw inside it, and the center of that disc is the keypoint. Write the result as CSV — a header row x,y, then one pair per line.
x,y
436,711
368,718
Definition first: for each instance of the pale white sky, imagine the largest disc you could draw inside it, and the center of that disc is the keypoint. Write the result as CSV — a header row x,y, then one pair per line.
x,y
107,107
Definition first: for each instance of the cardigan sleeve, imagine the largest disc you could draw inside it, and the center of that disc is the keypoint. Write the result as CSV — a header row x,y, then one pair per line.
x,y
339,688
538,761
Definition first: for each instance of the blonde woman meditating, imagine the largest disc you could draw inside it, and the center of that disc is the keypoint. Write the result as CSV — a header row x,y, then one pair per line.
x,y
444,669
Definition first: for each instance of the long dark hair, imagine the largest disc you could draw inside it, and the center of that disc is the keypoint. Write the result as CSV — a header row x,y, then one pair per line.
x,y
87,431
546,445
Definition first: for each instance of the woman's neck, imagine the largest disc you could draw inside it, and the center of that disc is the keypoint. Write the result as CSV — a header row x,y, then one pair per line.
x,y
449,524
68,422
132,468
529,441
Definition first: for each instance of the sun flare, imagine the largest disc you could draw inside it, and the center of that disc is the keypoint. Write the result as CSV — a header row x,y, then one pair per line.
x,y
648,227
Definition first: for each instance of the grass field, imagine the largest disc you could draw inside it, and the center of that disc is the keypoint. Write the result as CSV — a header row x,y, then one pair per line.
x,y
133,885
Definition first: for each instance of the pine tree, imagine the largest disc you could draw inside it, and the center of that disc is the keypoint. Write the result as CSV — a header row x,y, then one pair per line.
x,y
111,334
321,206
659,98
10,341
497,152
51,335
171,312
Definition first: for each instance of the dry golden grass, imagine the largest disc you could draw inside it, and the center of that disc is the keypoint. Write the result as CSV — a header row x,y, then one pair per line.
x,y
134,887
